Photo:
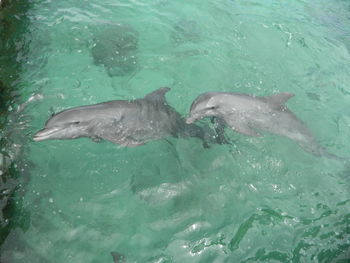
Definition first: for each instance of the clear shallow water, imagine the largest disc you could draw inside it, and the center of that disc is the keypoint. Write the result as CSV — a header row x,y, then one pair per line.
x,y
263,199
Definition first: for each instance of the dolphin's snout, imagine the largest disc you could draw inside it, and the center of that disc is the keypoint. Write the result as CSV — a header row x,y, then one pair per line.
x,y
45,134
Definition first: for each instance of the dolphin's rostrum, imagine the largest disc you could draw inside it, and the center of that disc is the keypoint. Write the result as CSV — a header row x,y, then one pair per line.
x,y
248,115
128,123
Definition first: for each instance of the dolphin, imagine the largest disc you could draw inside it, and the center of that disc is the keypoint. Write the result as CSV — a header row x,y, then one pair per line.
x,y
127,123
247,114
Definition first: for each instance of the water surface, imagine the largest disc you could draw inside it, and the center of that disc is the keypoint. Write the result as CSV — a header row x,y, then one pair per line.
x,y
259,200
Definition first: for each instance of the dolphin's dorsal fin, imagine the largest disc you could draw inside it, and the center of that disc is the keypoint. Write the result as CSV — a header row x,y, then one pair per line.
x,y
278,99
157,95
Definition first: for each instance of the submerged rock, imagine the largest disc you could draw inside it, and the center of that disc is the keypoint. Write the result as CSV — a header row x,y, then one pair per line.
x,y
115,48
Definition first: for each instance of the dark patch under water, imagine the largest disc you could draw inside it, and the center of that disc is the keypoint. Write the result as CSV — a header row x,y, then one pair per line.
x,y
185,31
115,48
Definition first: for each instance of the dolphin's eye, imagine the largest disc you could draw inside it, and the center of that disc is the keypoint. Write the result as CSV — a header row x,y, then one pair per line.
x,y
213,108
75,122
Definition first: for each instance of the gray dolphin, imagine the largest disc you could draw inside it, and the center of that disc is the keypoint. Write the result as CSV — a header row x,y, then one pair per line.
x,y
248,114
128,123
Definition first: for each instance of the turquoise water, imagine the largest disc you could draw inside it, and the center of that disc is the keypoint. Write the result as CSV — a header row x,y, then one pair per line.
x,y
258,200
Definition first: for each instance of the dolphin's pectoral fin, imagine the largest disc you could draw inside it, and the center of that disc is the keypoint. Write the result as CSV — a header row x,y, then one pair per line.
x,y
247,131
244,129
278,100
157,95
126,142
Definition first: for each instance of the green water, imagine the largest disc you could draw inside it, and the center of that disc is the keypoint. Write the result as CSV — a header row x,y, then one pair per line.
x,y
259,200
